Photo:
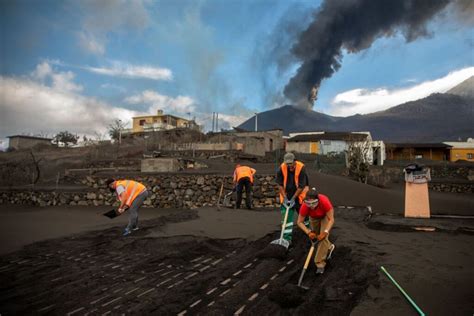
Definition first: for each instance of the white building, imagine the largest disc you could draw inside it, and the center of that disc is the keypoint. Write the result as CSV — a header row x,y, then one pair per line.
x,y
327,143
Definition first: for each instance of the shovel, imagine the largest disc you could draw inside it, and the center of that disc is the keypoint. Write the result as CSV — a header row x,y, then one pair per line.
x,y
111,214
283,242
305,267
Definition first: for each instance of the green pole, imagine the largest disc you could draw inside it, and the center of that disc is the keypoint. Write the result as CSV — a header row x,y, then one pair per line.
x,y
403,292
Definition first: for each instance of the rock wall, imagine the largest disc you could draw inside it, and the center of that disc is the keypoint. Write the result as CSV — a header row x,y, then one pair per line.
x,y
166,191
452,187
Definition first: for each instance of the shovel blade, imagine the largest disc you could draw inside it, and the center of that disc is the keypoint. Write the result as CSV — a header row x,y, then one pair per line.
x,y
110,214
281,242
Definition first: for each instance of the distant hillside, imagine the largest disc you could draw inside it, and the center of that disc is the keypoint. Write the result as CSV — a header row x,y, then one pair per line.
x,y
290,119
438,117
464,89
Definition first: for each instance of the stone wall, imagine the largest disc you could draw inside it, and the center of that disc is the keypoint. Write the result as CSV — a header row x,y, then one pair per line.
x,y
166,191
452,187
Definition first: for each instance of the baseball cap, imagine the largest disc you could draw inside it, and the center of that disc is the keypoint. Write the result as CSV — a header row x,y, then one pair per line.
x,y
289,158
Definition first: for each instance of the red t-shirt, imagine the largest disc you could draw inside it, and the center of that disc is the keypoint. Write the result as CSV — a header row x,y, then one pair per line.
x,y
320,211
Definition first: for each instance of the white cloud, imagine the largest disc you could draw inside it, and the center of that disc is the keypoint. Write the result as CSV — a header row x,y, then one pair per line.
x,y
371,100
30,105
113,87
100,18
91,43
156,101
61,81
119,69
42,71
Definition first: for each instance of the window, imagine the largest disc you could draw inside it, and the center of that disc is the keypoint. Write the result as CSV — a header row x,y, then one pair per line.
x,y
141,123
326,142
469,155
418,156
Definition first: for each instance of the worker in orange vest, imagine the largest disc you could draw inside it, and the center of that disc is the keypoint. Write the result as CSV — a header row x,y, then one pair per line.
x,y
131,195
243,177
292,186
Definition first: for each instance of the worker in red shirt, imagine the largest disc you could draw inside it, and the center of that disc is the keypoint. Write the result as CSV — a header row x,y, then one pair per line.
x,y
321,217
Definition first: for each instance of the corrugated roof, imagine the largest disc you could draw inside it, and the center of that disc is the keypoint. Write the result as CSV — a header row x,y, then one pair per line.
x,y
345,136
31,137
421,145
464,145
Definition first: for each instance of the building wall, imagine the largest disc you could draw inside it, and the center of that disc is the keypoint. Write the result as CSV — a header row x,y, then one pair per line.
x,y
461,154
136,127
253,146
22,143
213,146
167,122
332,146
273,139
437,154
298,147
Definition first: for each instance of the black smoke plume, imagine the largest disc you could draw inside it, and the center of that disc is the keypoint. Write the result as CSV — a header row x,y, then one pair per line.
x,y
352,25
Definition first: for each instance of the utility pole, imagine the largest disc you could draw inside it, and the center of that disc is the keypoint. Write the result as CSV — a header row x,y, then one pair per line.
x,y
120,132
256,122
213,119
217,122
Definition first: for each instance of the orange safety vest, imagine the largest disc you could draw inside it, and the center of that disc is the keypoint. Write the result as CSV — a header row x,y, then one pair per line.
x,y
132,190
284,171
244,171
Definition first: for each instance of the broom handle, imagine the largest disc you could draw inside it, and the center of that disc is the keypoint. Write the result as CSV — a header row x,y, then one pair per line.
x,y
284,222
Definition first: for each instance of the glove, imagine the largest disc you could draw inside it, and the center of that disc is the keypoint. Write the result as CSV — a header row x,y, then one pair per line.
x,y
292,202
322,236
312,235
286,202
234,189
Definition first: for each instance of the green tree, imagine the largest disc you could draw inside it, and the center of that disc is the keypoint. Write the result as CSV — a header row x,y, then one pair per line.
x,y
115,129
66,138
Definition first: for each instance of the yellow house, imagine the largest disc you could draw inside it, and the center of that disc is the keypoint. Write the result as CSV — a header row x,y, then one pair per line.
x,y
160,121
461,150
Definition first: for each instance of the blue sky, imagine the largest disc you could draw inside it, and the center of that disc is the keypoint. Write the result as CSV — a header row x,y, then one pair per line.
x,y
78,65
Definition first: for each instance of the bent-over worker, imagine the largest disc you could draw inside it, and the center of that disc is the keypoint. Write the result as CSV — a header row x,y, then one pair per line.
x,y
243,177
321,218
131,195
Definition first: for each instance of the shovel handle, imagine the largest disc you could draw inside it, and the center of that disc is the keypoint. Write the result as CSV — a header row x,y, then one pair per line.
x,y
220,194
306,263
308,258
284,222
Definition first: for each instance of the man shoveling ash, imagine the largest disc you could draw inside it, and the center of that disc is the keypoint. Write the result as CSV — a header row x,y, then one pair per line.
x,y
131,195
292,185
321,217
243,177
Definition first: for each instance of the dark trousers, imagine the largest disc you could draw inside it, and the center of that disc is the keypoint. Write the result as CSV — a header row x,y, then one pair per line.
x,y
244,182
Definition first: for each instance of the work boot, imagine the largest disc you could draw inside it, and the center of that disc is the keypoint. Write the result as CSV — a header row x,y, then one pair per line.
x,y
135,228
126,232
319,271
